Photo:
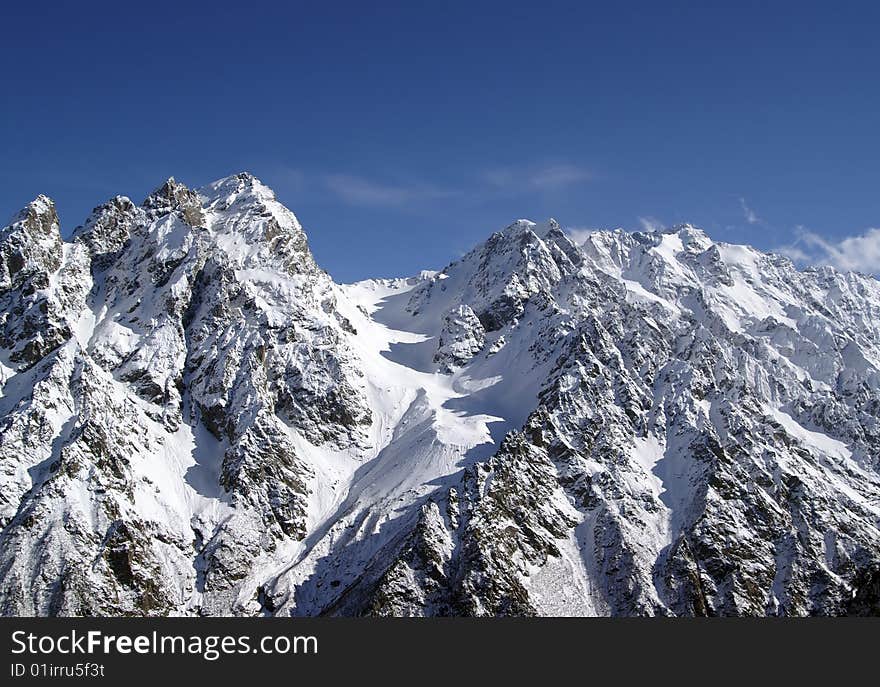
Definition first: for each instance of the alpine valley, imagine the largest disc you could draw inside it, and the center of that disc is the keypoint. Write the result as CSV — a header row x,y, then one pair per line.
x,y
196,420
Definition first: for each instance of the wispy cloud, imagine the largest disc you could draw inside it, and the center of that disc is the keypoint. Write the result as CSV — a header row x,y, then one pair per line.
x,y
748,213
377,191
860,253
361,191
536,178
650,224
559,176
579,234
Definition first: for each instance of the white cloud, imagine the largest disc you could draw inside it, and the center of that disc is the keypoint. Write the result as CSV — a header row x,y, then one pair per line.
x,y
750,215
579,234
796,253
536,178
360,191
860,253
651,224
558,176
354,189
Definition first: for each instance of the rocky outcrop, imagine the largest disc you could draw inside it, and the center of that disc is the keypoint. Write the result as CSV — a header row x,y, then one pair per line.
x,y
461,338
43,284
196,420
201,312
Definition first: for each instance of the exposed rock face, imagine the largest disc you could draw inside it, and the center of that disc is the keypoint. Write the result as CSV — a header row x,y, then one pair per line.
x,y
107,230
34,312
461,338
209,334
678,447
196,420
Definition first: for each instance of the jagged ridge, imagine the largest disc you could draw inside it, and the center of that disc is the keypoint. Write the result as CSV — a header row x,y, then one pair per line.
x,y
197,420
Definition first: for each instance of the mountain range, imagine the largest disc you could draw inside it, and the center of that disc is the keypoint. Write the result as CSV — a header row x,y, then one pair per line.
x,y
197,420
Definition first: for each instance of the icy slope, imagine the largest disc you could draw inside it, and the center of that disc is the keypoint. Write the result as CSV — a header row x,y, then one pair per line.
x,y
706,443
196,420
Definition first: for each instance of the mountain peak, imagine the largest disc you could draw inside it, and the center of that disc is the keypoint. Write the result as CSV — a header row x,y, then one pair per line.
x,y
238,183
36,222
606,417
41,206
107,229
172,196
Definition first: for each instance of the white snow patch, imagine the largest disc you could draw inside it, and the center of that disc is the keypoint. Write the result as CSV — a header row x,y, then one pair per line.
x,y
812,440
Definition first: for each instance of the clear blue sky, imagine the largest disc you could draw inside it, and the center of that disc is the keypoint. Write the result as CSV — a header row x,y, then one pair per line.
x,y
403,134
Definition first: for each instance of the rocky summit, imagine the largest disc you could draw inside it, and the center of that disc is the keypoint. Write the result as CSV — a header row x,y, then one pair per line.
x,y
196,420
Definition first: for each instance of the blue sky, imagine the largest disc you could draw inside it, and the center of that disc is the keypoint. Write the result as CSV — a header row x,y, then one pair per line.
x,y
403,134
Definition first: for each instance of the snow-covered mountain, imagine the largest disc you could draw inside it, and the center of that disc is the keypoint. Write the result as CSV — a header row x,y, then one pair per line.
x,y
195,419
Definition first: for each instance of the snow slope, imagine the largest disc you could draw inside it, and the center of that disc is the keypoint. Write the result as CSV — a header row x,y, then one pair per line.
x,y
196,420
